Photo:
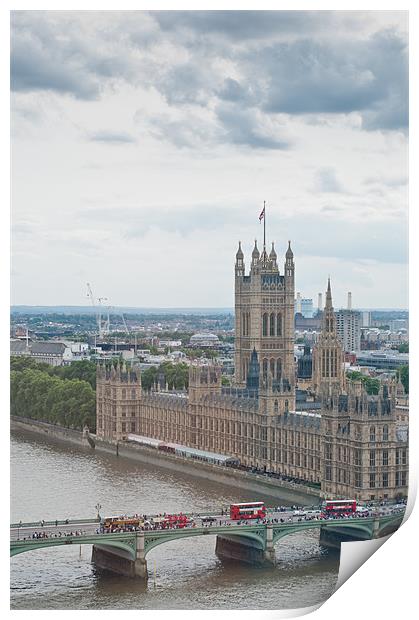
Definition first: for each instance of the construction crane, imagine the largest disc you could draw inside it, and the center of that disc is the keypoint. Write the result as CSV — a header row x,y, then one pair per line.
x,y
125,323
105,322
115,311
102,324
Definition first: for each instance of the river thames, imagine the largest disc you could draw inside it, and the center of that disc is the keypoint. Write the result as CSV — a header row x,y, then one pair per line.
x,y
51,480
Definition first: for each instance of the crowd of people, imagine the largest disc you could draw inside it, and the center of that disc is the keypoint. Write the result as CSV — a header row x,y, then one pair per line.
x,y
45,534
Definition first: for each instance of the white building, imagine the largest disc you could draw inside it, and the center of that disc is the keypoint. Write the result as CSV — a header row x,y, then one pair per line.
x,y
348,328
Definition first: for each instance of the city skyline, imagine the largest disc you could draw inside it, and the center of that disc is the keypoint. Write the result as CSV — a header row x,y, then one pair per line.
x,y
142,144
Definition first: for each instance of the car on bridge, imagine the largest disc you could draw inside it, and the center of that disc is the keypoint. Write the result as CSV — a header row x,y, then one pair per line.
x,y
312,514
208,519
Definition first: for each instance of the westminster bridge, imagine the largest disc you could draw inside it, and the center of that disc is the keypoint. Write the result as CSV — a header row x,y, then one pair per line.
x,y
125,552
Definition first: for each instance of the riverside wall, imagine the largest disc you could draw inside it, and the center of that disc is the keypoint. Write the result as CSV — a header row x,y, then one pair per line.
x,y
246,481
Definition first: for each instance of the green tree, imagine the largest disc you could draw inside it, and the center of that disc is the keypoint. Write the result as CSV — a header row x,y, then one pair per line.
x,y
40,394
371,384
148,377
403,374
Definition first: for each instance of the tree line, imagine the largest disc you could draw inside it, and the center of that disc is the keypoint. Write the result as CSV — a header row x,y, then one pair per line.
x,y
372,384
175,375
62,395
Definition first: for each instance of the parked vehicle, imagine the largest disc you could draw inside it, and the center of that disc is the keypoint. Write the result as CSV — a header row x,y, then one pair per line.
x,y
248,510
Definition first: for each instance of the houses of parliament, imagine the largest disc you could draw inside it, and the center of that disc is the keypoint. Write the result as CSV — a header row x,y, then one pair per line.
x,y
334,434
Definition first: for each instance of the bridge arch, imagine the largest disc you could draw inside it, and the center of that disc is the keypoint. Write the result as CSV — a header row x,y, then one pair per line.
x,y
126,544
364,528
151,542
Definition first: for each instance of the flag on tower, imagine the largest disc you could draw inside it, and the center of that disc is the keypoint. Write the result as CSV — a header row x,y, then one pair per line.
x,y
262,215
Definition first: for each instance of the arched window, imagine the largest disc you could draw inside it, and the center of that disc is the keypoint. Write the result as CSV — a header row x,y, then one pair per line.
x,y
272,367
248,324
286,406
278,368
276,406
385,433
265,369
372,433
265,325
279,324
124,393
244,324
272,325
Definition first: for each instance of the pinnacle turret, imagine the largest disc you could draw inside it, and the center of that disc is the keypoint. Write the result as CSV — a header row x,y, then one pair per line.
x,y
255,253
240,255
272,255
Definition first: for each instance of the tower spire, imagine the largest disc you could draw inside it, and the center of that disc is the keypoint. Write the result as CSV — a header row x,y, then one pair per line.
x,y
328,295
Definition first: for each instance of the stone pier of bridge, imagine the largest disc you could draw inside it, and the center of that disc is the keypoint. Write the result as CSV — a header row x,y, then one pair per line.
x,y
255,551
121,561
333,536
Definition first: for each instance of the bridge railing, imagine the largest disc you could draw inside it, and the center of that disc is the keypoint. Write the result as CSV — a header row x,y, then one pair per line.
x,y
202,513
42,523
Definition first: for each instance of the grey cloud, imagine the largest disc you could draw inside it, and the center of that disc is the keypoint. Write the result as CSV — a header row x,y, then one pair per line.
x,y
388,182
239,25
231,125
242,127
337,236
188,132
111,137
301,73
330,234
326,181
41,64
233,91
391,113
23,228
308,76
177,219
186,83
52,53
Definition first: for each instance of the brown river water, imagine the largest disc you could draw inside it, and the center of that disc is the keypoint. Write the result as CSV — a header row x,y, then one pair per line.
x,y
51,480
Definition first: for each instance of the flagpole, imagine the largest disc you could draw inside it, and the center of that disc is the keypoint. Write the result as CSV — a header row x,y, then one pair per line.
x,y
264,226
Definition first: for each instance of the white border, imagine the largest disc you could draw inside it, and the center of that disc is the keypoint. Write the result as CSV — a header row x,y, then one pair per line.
x,y
385,586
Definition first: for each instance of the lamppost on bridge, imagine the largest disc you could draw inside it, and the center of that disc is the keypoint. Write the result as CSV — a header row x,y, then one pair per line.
x,y
98,508
19,525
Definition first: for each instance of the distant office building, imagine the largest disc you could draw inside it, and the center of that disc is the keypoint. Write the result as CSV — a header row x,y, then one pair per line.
x,y
383,359
204,340
52,353
348,328
319,303
365,318
397,324
307,308
302,323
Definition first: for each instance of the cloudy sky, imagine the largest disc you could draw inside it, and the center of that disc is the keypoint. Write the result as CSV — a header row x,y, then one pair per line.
x,y
144,145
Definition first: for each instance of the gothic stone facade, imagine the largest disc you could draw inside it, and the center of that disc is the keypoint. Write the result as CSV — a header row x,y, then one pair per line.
x,y
264,317
353,447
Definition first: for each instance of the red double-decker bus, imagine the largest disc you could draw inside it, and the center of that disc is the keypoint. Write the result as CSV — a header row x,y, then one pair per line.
x,y
247,510
339,506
